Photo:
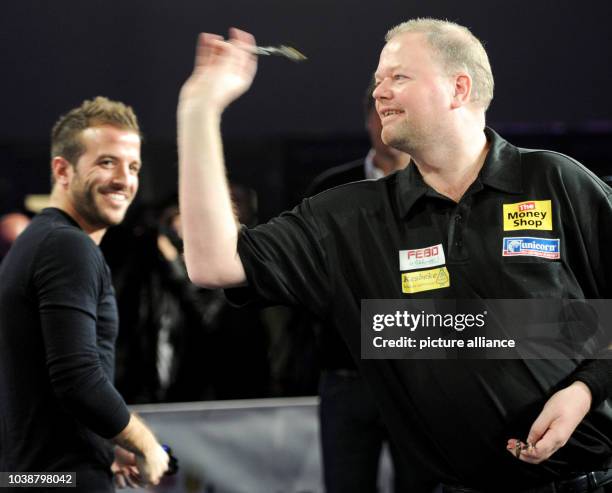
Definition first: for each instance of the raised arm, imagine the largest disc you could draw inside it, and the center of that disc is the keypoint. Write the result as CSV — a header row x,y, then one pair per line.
x,y
223,70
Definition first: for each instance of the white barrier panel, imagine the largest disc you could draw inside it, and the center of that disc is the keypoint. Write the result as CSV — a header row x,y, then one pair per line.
x,y
251,446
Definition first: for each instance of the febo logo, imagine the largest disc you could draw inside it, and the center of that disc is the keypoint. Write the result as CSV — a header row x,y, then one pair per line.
x,y
527,206
424,252
419,258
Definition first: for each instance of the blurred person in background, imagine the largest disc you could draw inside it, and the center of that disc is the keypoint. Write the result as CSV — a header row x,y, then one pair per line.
x,y
11,226
180,342
237,348
158,305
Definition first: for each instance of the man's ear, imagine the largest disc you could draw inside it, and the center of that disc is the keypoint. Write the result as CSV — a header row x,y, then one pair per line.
x,y
62,170
462,90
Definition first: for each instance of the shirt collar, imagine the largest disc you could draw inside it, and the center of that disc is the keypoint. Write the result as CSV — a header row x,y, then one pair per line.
x,y
501,170
60,213
502,166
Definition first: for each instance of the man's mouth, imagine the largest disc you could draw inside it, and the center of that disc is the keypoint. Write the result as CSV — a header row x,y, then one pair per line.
x,y
391,112
116,198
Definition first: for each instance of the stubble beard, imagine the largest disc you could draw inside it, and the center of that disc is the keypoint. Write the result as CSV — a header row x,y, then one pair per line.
x,y
403,137
87,207
411,138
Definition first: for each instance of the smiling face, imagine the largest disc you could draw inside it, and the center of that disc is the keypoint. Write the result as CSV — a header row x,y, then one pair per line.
x,y
102,184
413,94
374,128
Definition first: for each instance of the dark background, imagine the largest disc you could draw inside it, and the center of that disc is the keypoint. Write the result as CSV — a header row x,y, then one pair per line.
x,y
551,61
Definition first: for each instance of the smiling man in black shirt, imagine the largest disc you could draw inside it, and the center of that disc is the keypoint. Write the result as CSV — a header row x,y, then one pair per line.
x,y
58,316
503,222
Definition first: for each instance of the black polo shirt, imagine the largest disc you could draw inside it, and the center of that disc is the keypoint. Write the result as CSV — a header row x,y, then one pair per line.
x,y
455,417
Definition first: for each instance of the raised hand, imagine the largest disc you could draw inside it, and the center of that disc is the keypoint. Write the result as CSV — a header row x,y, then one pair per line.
x,y
223,71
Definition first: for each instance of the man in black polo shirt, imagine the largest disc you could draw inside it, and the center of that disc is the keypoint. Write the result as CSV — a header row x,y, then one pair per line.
x,y
460,419
58,318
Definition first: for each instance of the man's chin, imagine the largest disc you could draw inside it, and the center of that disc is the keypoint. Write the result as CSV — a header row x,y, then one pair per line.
x,y
111,216
391,137
106,220
395,143
114,220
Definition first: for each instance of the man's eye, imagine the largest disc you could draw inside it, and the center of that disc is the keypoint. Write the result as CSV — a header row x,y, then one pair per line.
x,y
106,162
135,168
399,77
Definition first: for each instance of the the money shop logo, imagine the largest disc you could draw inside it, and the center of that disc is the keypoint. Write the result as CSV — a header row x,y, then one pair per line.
x,y
532,214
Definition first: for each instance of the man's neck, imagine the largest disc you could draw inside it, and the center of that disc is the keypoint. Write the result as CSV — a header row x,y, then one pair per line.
x,y
96,234
453,165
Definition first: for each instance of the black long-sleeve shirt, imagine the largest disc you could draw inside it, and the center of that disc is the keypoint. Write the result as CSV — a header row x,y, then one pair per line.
x,y
58,325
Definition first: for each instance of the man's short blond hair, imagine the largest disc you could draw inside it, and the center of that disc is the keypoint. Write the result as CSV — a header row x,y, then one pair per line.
x,y
66,133
457,49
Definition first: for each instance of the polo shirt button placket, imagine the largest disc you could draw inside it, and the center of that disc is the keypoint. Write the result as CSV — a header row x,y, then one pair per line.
x,y
458,235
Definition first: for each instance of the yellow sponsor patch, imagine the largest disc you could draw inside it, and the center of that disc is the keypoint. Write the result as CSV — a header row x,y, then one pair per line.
x,y
425,280
532,214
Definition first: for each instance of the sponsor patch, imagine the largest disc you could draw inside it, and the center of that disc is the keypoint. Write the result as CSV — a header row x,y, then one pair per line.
x,y
425,280
420,258
528,246
533,214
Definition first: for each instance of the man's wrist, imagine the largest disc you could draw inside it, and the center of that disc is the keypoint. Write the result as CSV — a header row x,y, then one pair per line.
x,y
584,389
188,111
137,438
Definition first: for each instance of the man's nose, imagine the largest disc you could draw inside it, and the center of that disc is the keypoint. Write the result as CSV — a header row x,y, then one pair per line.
x,y
381,91
122,174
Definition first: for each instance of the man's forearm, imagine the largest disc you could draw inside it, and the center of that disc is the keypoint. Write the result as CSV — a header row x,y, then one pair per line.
x,y
209,226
